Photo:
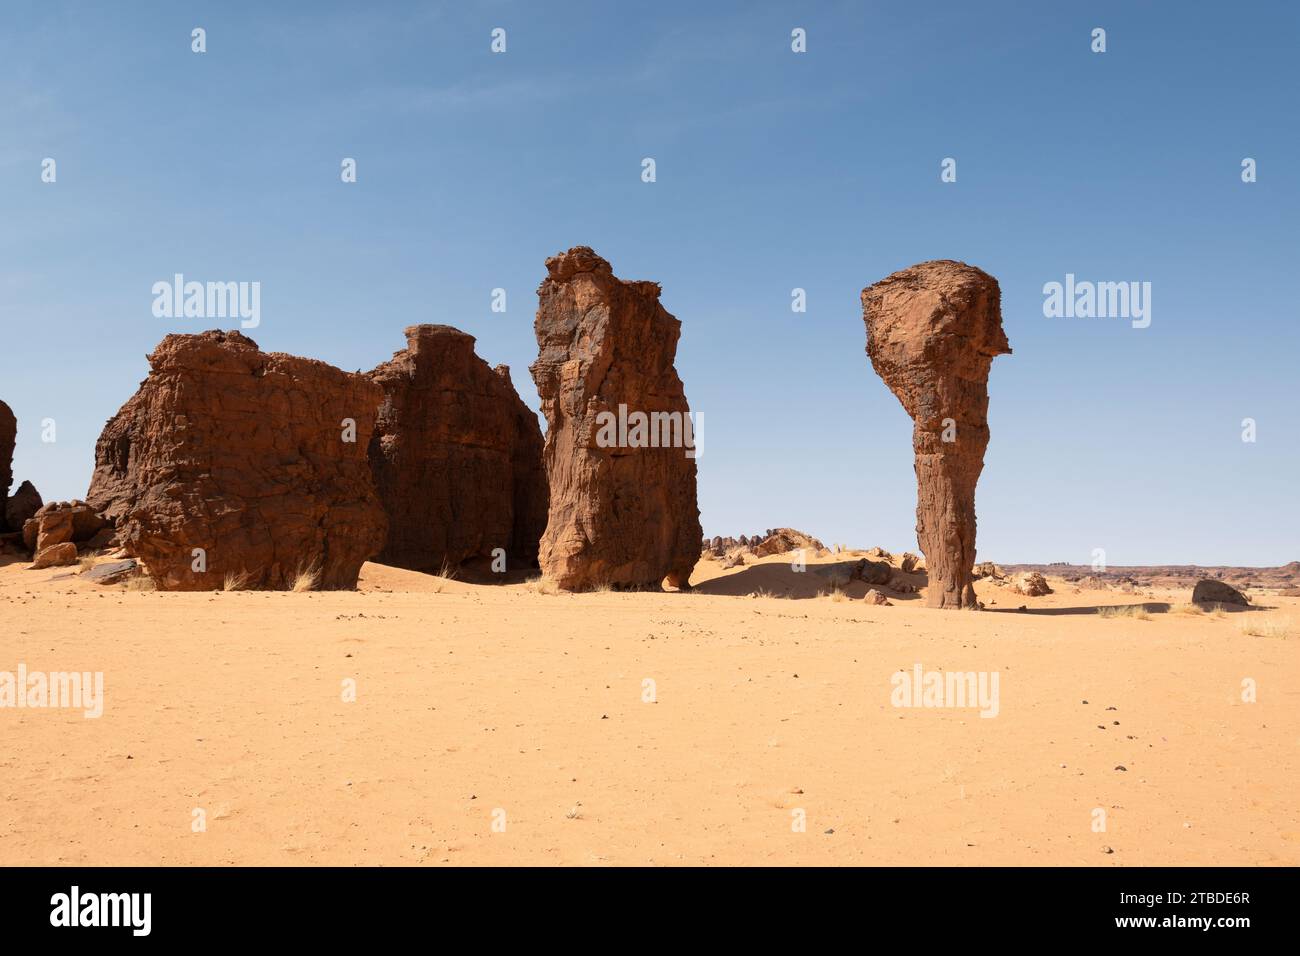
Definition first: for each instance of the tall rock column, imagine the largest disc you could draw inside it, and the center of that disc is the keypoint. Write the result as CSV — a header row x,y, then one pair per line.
x,y
620,441
8,436
933,331
456,457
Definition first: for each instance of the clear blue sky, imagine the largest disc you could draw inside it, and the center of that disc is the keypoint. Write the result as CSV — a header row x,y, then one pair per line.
x,y
775,171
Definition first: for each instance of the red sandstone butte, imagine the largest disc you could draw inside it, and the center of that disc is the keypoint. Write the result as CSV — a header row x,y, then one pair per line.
x,y
257,458
622,514
456,457
933,331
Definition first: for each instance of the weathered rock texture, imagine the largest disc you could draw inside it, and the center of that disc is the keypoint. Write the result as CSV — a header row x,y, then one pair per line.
x,y
620,516
456,457
8,435
933,331
243,454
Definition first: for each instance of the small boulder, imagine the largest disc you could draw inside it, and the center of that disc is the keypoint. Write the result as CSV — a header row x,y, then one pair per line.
x,y
987,569
871,572
1030,584
909,562
55,556
110,572
1216,592
875,597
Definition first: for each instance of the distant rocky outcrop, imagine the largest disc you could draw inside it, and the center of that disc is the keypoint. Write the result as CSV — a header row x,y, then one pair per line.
x,y
623,509
783,540
456,457
933,331
774,541
1209,591
230,462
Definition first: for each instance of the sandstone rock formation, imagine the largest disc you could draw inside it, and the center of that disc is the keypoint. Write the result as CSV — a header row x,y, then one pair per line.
x,y
933,331
908,563
17,508
1208,591
61,521
876,597
456,457
230,462
8,436
622,505
22,506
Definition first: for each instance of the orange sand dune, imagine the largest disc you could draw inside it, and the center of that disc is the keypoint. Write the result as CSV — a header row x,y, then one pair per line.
x,y
482,704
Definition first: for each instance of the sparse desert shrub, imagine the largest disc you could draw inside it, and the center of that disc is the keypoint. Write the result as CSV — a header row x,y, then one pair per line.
x,y
1268,627
235,581
1192,610
1136,612
140,582
307,579
86,562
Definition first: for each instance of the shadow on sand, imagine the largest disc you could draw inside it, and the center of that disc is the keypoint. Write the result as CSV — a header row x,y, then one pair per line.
x,y
780,580
1151,607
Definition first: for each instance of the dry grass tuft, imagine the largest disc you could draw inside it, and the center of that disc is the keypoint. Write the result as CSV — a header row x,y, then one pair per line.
x,y
1192,610
1135,612
1269,627
308,578
236,581
538,584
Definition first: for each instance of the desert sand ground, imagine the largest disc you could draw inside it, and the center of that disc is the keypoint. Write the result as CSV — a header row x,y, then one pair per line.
x,y
476,699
